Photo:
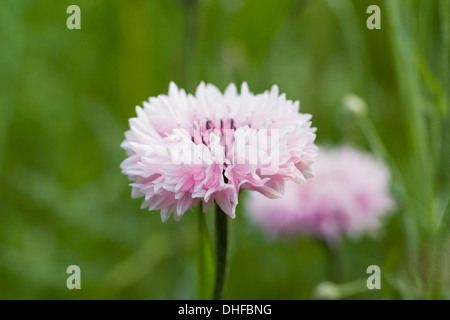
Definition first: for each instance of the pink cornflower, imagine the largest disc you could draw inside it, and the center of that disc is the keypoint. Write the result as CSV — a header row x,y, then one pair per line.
x,y
183,148
349,194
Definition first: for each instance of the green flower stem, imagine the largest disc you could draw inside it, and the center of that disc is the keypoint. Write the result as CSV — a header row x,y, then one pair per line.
x,y
221,242
333,262
205,264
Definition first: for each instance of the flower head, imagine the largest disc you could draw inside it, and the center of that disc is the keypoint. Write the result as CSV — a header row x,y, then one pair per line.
x,y
183,148
348,194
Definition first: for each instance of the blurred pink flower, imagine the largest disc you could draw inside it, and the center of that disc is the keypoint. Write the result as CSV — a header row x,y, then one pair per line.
x,y
183,149
348,195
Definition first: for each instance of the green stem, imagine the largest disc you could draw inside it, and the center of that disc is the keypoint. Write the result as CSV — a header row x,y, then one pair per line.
x,y
334,263
205,265
221,241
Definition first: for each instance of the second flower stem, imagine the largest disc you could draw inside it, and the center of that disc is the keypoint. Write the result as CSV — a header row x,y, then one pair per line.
x,y
221,252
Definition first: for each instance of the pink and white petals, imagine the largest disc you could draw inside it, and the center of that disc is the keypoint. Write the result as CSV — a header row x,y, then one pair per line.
x,y
183,148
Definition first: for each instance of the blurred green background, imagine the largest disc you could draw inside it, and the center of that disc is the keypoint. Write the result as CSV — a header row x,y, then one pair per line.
x,y
66,97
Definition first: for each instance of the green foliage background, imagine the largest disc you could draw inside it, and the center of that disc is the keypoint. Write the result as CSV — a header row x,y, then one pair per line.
x,y
66,97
